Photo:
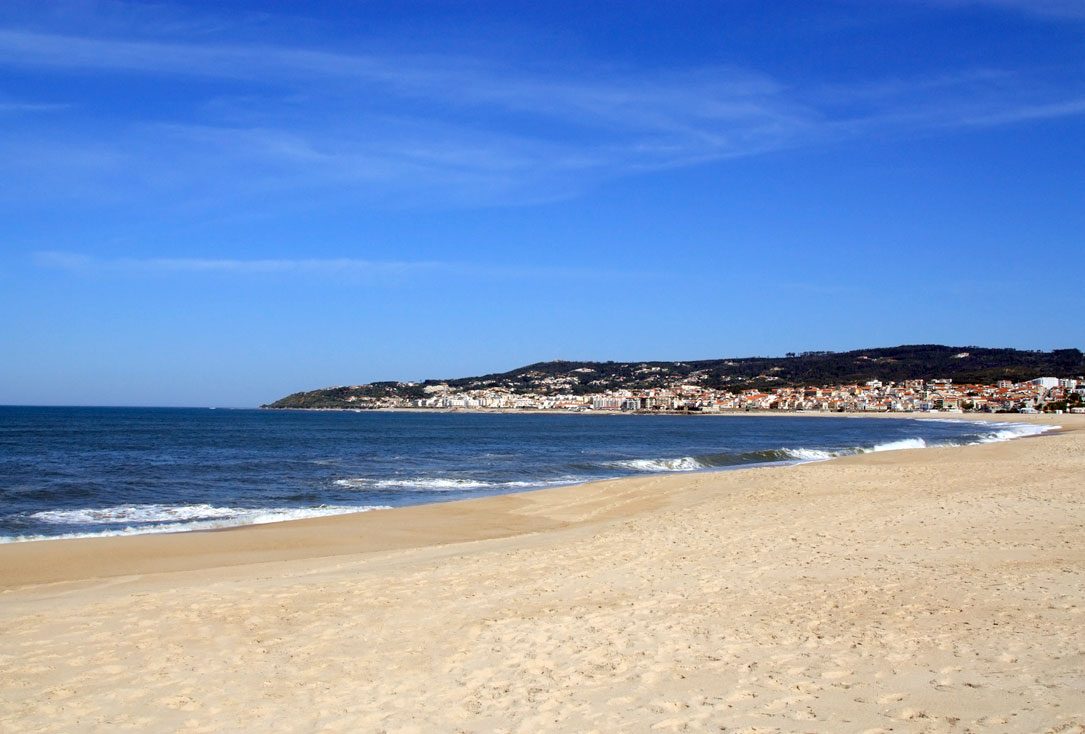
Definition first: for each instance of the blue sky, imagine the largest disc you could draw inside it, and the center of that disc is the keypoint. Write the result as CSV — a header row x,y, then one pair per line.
x,y
220,203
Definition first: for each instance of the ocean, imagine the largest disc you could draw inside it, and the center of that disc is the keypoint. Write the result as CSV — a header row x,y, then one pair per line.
x,y
74,472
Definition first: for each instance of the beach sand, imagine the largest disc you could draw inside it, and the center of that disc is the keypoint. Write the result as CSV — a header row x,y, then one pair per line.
x,y
937,590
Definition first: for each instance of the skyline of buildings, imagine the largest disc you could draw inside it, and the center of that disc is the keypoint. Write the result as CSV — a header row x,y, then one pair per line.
x,y
872,396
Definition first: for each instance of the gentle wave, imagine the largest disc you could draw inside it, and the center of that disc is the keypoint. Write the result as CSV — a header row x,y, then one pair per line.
x,y
726,460
1006,432
124,514
904,443
135,519
809,454
1010,431
144,519
446,484
683,463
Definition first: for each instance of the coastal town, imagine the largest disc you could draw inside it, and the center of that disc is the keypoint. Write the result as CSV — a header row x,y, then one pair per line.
x,y
1043,394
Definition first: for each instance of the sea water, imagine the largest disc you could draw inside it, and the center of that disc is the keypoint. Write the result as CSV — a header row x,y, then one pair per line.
x,y
70,472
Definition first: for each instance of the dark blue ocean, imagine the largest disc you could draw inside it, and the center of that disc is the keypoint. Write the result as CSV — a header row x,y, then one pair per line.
x,y
79,471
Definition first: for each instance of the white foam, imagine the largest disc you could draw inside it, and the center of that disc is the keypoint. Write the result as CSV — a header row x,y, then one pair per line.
x,y
126,514
1010,431
1005,430
444,484
354,483
809,454
904,443
684,463
144,519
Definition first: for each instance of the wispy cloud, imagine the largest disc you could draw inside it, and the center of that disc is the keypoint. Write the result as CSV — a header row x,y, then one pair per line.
x,y
1026,113
342,267
674,102
454,128
12,106
975,98
26,48
457,129
406,127
1065,9
718,107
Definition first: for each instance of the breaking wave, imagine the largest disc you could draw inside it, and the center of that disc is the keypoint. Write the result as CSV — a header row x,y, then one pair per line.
x,y
808,454
904,443
799,455
683,463
1010,431
151,518
446,484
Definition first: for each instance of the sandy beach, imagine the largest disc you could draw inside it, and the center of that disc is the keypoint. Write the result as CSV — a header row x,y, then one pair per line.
x,y
934,590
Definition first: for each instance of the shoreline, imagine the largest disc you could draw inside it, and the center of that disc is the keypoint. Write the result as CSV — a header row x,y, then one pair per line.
x,y
368,531
933,590
782,463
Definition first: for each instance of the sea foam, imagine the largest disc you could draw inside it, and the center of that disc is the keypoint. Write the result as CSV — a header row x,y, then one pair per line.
x,y
805,455
152,518
682,463
904,443
445,484
1010,431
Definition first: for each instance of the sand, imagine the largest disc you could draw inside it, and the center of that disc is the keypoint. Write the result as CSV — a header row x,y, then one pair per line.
x,y
911,591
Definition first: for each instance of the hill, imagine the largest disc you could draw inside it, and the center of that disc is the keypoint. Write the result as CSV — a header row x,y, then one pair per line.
x,y
888,364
